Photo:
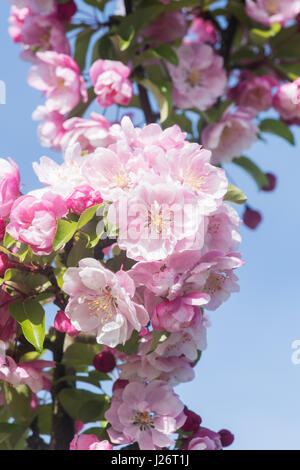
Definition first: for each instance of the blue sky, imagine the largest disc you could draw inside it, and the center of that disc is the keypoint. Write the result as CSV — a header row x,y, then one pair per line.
x,y
245,381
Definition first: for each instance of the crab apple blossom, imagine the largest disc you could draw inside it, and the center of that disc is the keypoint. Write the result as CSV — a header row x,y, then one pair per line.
x,y
89,442
16,20
36,6
167,27
82,198
58,77
43,33
254,92
199,79
287,101
231,136
7,323
202,31
101,302
204,439
272,11
33,220
50,131
146,413
9,185
222,232
111,84
193,421
89,133
2,228
63,324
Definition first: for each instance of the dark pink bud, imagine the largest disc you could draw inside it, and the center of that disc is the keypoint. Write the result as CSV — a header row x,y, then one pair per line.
x,y
252,218
65,11
78,426
272,180
226,437
192,422
119,384
2,228
63,324
104,362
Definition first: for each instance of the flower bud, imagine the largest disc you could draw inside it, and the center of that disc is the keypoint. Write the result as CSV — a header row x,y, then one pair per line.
x,y
192,422
252,218
226,437
104,362
272,180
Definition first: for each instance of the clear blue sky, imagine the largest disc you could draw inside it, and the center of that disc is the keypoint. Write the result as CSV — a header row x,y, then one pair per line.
x,y
245,381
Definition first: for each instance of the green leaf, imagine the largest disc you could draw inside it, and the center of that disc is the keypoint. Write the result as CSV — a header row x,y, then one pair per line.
x,y
139,19
81,355
8,241
64,232
83,405
45,419
250,167
131,346
165,51
81,46
235,195
274,126
126,40
80,109
17,401
87,215
158,337
10,428
100,4
260,36
162,94
31,316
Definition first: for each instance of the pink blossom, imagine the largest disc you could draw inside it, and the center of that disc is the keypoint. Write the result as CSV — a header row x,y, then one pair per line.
x,y
89,133
272,11
166,27
58,77
36,6
199,79
179,313
2,228
51,130
101,302
254,92
63,324
147,414
17,19
82,198
222,231
7,322
9,185
193,421
204,439
231,136
110,79
43,33
287,101
89,442
34,220
202,31
26,373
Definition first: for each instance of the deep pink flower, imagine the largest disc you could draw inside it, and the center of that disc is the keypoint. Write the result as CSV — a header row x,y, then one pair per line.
x,y
271,11
58,77
202,31
65,11
226,437
193,421
9,185
231,136
110,79
82,198
63,324
34,220
7,322
89,442
2,228
199,79
147,414
101,302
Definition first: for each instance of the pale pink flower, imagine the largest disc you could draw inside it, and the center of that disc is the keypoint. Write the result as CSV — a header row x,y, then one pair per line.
x,y
287,101
34,220
17,19
9,185
89,133
111,84
199,79
231,136
101,302
254,92
36,6
147,414
43,33
58,77
272,11
202,31
26,373
51,130
82,198
167,27
179,313
204,439
89,442
222,231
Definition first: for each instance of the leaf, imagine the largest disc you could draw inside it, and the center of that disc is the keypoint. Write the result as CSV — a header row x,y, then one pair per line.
x,y
83,405
17,401
45,419
64,232
274,126
250,167
139,19
80,109
81,46
31,316
162,94
10,428
126,40
165,51
131,346
157,338
235,195
87,215
260,36
81,355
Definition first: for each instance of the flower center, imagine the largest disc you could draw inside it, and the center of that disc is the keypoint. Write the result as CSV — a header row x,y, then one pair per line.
x,y
214,283
195,181
158,219
194,77
103,305
273,7
60,82
144,420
